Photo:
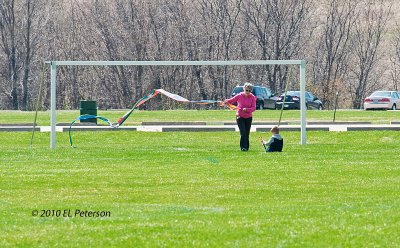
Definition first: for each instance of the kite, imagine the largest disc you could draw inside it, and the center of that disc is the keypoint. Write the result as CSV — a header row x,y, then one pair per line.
x,y
141,101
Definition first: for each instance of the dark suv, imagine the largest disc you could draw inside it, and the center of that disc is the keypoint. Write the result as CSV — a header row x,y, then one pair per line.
x,y
265,99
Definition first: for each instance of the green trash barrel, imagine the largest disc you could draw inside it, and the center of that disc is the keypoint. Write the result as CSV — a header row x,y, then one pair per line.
x,y
89,108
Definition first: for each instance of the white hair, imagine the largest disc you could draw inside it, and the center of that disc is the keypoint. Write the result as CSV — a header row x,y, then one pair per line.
x,y
248,86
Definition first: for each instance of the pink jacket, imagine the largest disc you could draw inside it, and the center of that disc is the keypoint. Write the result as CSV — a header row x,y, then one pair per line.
x,y
243,101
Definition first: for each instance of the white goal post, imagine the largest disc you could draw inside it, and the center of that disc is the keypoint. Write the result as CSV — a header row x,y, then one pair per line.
x,y
53,78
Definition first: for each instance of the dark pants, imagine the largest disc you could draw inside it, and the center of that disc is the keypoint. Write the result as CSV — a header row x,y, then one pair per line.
x,y
244,125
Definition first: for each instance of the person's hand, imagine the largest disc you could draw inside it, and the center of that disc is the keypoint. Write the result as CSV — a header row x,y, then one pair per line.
x,y
244,109
222,103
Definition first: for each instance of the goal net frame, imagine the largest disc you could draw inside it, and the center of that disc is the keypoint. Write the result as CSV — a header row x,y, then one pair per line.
x,y
53,79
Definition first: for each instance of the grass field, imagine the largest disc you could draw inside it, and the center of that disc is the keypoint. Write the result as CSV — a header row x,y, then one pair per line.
x,y
181,189
375,117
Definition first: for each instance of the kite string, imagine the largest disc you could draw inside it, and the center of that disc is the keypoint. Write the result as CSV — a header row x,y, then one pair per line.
x,y
284,96
283,104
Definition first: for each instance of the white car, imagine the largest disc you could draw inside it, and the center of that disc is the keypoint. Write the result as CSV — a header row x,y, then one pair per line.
x,y
382,100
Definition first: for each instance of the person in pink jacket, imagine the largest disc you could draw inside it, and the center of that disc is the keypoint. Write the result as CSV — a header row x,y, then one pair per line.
x,y
246,105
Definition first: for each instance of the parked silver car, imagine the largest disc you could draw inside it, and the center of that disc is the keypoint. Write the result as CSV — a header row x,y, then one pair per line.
x,y
382,100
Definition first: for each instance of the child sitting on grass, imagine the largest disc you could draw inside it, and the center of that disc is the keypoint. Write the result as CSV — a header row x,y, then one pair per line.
x,y
275,143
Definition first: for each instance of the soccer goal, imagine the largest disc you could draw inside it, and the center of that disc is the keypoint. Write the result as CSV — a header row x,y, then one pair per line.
x,y
53,78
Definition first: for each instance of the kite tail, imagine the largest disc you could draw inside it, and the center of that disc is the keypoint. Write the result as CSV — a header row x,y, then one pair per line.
x,y
142,100
231,106
178,98
123,118
85,117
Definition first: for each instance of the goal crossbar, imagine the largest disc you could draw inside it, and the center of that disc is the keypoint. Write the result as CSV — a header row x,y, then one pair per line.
x,y
53,79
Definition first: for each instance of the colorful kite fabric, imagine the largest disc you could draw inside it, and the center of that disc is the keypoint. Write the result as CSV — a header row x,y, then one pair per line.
x,y
140,102
170,95
85,117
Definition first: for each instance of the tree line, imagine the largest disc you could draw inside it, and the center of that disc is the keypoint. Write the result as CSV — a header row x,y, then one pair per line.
x,y
351,48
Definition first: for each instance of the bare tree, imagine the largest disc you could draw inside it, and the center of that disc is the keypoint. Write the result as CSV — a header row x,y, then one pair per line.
x,y
395,59
8,32
107,26
366,41
220,21
340,39
20,31
279,28
32,28
329,63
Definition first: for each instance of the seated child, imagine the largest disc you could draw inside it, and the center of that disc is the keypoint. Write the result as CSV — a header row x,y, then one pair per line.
x,y
275,143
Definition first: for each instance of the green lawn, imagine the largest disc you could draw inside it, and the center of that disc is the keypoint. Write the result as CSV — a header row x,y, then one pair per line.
x,y
181,189
138,116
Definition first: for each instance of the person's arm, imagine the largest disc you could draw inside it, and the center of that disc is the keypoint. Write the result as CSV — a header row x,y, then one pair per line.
x,y
253,105
267,143
232,99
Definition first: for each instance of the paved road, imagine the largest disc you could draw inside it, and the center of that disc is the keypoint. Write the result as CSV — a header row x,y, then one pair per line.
x,y
211,127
